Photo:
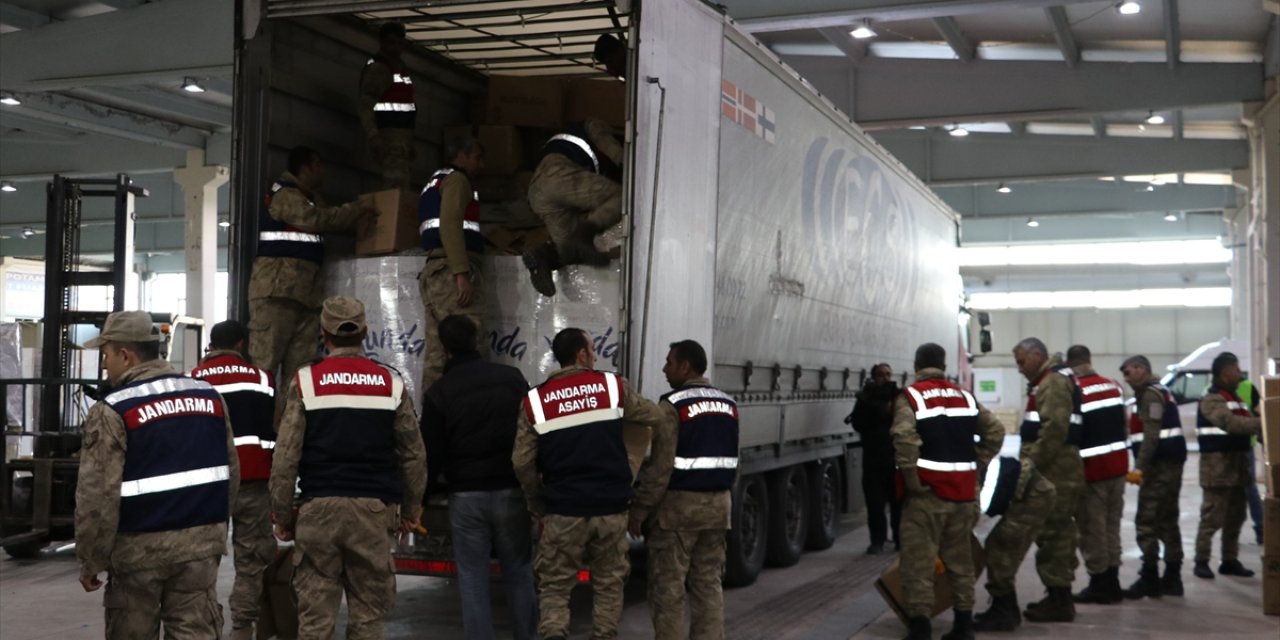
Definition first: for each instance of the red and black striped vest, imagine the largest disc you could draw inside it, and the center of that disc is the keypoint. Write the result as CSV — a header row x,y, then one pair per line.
x,y
1104,437
396,108
1031,419
250,396
279,240
429,216
947,421
1215,440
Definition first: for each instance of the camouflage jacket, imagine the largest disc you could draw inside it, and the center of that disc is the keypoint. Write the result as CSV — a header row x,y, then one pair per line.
x,y
675,510
1058,461
293,278
411,455
907,441
1227,468
1150,410
637,412
99,546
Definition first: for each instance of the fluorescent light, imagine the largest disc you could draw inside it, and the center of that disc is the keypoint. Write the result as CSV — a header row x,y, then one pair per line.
x,y
1129,7
9,99
863,30
27,232
190,84
7,187
1159,181
224,223
1150,252
1033,223
1115,299
1155,118
1171,217
958,131
1004,188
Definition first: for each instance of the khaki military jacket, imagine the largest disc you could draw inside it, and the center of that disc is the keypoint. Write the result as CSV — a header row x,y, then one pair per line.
x,y
1226,468
293,278
455,197
1058,461
637,412
99,546
1150,410
907,441
676,510
411,455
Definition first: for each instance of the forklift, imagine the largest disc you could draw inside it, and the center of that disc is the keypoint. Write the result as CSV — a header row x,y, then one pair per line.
x,y
38,482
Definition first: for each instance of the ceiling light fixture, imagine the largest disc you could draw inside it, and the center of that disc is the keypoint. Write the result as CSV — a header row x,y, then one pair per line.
x,y
1158,181
9,99
27,232
1154,118
1033,223
863,30
191,85
1129,7
7,187
1151,187
958,131
224,223
1171,217
1004,188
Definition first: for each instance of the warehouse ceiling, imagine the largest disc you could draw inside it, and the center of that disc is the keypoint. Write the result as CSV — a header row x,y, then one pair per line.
x,y
1097,124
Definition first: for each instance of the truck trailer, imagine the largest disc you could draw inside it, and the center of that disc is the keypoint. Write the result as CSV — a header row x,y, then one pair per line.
x,y
758,220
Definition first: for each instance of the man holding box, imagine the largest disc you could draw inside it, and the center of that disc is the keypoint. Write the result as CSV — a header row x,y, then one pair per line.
x,y
449,224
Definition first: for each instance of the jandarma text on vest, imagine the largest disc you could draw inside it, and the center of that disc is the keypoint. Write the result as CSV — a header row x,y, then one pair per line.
x,y
344,378
170,406
709,407
227,370
567,393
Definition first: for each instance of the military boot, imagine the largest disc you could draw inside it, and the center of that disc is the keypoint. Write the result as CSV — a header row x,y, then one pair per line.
x,y
963,627
1003,615
1056,607
1202,570
1234,568
1095,593
1171,583
919,628
1147,585
1111,589
541,262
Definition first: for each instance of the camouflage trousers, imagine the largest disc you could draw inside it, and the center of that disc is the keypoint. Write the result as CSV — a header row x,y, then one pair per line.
x,y
1157,518
255,548
575,204
183,597
565,540
1223,508
343,545
283,333
1098,519
440,299
1056,544
677,557
397,158
1009,541
932,527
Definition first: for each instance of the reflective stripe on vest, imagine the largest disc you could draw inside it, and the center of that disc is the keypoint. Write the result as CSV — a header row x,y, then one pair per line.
x,y
1103,449
313,402
1214,439
434,223
243,441
1030,428
579,143
576,419
396,107
1164,435
1172,444
172,481
279,240
685,464
290,236
946,421
249,396
946,466
429,209
706,439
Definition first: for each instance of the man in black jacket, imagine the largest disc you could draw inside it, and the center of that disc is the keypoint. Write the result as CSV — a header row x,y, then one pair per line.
x,y
871,418
469,424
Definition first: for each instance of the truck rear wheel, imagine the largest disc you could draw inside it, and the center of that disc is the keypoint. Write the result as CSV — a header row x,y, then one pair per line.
x,y
789,524
745,547
824,506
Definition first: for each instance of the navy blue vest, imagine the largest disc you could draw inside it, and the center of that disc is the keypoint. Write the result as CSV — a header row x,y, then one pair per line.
x,y
574,144
349,448
581,453
1173,444
396,107
176,466
429,216
1031,419
707,443
1215,440
279,240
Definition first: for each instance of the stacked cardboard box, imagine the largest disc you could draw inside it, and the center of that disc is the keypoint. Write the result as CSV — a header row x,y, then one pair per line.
x,y
394,228
1270,389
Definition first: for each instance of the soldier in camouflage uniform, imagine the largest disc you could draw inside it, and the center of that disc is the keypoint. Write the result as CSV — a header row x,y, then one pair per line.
x,y
1224,426
571,460
935,424
158,476
286,285
577,192
683,500
1159,455
450,281
1009,541
350,441
388,108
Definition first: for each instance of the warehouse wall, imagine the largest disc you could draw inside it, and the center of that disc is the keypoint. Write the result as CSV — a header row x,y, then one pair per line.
x,y
1164,335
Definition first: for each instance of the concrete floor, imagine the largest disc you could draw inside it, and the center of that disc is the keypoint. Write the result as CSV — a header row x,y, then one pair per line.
x,y
829,595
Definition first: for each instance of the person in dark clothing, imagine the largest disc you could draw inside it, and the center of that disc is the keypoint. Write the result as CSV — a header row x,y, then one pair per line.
x,y
469,426
871,418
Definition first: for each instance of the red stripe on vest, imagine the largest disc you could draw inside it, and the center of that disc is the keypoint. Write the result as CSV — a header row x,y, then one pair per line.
x,y
566,396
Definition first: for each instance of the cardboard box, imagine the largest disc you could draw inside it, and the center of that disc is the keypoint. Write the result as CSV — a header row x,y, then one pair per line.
x,y
1271,430
524,101
1271,526
1271,585
1271,471
503,188
396,226
1270,387
503,146
890,584
600,99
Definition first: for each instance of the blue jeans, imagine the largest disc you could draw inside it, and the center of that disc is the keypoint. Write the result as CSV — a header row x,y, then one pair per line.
x,y
1255,501
497,521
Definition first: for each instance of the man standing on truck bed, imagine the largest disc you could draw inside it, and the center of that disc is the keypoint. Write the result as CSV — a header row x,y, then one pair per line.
x,y
287,284
1224,426
683,501
572,462
449,224
157,479
577,192
350,442
1159,452
388,110
469,426
1104,444
942,437
250,396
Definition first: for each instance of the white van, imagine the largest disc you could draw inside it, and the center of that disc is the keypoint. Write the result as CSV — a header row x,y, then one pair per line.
x,y
1190,378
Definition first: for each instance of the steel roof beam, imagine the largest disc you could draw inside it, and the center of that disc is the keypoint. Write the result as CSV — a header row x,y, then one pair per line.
x,y
959,43
764,15
1062,33
855,49
1172,34
1099,126
96,118
20,18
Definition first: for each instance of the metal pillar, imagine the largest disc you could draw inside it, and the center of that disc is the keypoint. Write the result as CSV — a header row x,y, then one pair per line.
x,y
200,184
1264,231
